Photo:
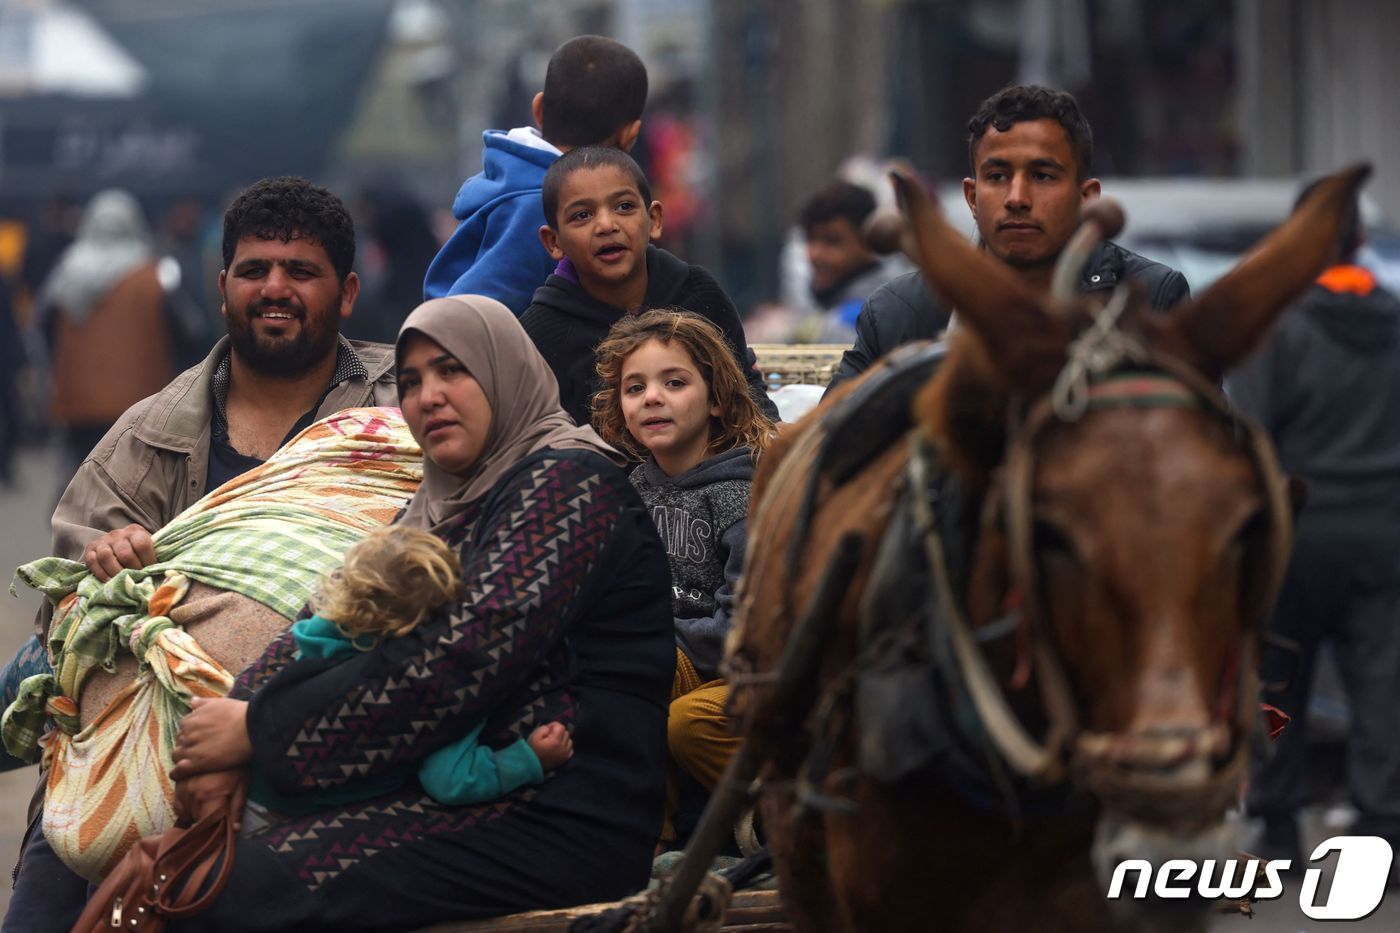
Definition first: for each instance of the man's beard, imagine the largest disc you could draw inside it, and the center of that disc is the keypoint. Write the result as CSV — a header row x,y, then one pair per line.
x,y
283,357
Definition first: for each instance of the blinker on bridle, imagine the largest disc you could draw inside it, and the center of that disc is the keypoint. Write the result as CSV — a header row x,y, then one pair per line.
x,y
1105,368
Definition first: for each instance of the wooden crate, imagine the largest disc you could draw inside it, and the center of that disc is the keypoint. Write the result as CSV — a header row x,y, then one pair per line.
x,y
785,364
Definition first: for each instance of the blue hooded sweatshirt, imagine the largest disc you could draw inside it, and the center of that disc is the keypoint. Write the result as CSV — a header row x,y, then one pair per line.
x,y
496,250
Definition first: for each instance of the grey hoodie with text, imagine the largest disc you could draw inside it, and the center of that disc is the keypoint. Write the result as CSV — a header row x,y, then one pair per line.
x,y
701,516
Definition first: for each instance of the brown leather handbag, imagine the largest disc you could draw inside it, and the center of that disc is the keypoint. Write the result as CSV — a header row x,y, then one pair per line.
x,y
164,877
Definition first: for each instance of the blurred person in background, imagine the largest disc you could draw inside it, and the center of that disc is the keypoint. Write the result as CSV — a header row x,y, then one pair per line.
x,y
1327,389
402,243
672,157
180,245
845,272
102,310
11,360
51,233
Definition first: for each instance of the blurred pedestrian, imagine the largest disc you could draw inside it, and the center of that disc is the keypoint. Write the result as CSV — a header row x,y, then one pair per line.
x,y
12,358
180,245
46,239
401,234
845,272
1327,389
102,309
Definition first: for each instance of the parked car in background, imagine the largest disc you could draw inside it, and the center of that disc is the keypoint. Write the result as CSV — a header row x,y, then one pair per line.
x,y
1203,226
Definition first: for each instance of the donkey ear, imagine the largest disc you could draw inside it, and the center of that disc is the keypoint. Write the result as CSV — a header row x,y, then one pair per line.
x,y
1023,339
1218,329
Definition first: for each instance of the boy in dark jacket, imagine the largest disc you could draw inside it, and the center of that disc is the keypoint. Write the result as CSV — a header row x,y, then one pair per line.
x,y
594,92
600,223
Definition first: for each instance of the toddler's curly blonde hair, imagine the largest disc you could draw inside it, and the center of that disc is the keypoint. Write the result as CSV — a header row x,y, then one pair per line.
x,y
390,582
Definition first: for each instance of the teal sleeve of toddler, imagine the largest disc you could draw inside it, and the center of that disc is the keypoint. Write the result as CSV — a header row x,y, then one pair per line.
x,y
467,772
320,638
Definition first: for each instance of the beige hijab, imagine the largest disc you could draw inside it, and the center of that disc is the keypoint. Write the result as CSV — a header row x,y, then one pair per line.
x,y
525,415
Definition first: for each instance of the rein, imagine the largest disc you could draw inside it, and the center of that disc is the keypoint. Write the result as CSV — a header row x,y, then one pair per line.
x,y
1106,369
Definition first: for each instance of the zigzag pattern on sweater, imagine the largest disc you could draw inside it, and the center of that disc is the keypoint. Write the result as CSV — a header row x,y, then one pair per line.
x,y
526,571
324,846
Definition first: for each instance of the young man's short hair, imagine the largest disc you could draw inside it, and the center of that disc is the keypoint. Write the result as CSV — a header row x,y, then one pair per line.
x,y
592,89
838,199
1021,102
289,207
588,157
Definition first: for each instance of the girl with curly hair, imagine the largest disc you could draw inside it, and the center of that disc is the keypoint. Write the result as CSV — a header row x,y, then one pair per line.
x,y
673,395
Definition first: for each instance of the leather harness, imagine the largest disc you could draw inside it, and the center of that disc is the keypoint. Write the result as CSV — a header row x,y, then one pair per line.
x,y
922,690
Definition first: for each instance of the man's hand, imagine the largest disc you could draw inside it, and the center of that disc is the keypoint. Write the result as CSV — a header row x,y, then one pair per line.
x,y
213,737
198,796
129,548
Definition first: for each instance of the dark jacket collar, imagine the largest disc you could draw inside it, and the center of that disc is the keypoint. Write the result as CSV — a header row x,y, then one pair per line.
x,y
667,277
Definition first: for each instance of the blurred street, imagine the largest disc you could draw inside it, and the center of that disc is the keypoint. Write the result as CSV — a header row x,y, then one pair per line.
x,y
24,535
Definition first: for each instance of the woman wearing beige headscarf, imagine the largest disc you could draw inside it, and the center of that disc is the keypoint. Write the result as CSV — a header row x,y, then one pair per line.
x,y
566,616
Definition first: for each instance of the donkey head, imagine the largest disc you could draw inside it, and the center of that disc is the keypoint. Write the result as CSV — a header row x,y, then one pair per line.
x,y
1141,526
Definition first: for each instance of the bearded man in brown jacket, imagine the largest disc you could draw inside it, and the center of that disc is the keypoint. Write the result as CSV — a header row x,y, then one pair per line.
x,y
287,283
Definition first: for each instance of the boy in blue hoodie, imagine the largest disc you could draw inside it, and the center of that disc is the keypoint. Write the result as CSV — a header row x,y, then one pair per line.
x,y
594,93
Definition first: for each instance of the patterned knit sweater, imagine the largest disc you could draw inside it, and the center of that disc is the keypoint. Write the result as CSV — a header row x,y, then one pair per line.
x,y
567,617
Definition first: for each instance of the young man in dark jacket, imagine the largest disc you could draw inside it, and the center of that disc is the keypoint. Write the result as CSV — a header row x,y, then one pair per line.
x,y
601,220
1031,152
1327,389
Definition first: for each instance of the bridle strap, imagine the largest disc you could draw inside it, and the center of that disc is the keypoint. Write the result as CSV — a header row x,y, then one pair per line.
x,y
1155,381
1043,761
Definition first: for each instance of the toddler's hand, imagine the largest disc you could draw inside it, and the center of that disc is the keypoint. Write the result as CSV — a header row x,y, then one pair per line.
x,y
552,744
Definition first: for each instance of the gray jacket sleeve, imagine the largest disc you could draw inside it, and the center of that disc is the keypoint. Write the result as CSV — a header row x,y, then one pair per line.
x,y
898,312
92,505
702,639
1172,291
867,348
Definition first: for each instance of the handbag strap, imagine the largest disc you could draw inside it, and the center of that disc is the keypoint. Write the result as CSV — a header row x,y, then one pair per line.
x,y
185,861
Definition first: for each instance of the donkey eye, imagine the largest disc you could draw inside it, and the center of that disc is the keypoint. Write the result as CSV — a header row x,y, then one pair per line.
x,y
1250,541
1253,528
1050,541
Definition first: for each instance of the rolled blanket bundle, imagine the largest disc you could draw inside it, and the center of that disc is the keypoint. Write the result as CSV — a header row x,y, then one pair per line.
x,y
270,535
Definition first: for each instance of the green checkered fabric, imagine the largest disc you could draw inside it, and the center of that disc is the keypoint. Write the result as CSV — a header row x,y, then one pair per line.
x,y
271,535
